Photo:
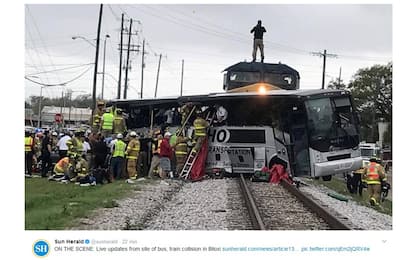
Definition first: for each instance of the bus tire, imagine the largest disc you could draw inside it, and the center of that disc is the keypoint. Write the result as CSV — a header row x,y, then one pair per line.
x,y
327,177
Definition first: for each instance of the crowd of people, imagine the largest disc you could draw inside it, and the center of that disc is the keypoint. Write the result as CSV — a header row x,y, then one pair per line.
x,y
107,151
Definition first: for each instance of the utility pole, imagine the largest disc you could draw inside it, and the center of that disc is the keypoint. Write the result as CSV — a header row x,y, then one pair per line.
x,y
324,55
128,61
141,83
94,89
121,57
157,76
40,107
70,105
102,85
339,78
182,79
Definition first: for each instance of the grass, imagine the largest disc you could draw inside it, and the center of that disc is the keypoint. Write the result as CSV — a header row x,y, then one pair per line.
x,y
340,187
52,205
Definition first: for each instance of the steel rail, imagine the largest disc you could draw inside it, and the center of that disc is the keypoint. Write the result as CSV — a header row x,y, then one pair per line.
x,y
333,222
253,211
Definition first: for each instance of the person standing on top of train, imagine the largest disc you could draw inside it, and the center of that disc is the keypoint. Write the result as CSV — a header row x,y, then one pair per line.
x,y
258,40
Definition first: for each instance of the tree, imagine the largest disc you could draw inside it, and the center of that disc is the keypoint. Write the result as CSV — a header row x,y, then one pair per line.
x,y
371,89
335,84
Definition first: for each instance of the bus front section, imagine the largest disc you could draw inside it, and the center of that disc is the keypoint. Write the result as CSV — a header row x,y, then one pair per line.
x,y
333,139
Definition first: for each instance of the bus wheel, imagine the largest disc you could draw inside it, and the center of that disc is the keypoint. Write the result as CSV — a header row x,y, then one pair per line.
x,y
327,178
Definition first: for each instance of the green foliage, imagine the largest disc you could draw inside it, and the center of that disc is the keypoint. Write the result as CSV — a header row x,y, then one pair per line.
x,y
81,101
52,205
371,89
335,84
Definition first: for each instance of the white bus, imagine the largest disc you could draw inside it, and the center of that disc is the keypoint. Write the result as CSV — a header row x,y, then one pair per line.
x,y
311,132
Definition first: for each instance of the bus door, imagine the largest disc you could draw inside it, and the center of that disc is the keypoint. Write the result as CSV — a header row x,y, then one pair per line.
x,y
300,162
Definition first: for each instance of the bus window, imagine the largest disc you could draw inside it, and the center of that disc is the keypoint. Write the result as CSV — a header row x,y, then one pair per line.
x,y
331,124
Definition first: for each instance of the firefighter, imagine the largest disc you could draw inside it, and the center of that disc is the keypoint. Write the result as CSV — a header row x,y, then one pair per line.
x,y
80,170
200,126
97,117
119,123
185,110
61,169
107,123
181,151
374,174
132,153
118,153
29,147
155,163
75,146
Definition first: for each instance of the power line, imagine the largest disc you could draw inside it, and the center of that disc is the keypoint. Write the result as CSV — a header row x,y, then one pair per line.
x,y
68,68
59,84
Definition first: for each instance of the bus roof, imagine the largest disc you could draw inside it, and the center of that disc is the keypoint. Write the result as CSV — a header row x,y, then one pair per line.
x,y
264,67
172,101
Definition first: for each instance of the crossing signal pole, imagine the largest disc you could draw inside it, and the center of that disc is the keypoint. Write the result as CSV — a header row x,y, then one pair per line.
x,y
324,55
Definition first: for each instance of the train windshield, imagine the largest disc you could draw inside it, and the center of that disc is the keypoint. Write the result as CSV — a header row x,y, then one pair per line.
x,y
331,124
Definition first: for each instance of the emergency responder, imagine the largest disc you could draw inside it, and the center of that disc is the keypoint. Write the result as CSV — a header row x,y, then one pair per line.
x,y
165,157
356,182
142,163
181,151
54,141
75,146
119,123
97,117
200,126
61,169
132,153
374,174
29,147
80,169
185,110
107,123
46,154
155,163
118,153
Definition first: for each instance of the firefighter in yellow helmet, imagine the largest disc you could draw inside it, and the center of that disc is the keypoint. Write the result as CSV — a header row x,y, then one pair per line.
x,y
200,126
119,126
374,174
97,117
132,154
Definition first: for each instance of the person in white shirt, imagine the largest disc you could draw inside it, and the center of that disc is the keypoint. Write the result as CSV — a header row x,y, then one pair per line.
x,y
63,148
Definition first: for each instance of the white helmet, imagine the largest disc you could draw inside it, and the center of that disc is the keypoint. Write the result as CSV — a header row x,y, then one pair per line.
x,y
167,134
133,134
54,133
119,136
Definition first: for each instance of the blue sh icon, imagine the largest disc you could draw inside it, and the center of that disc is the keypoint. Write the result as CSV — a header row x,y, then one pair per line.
x,y
41,248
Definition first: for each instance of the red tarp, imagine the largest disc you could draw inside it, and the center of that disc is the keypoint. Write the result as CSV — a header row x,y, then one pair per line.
x,y
278,173
198,169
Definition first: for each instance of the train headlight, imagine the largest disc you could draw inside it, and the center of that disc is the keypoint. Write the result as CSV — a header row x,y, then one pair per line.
x,y
262,90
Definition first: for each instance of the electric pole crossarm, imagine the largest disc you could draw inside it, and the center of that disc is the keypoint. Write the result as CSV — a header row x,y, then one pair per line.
x,y
324,55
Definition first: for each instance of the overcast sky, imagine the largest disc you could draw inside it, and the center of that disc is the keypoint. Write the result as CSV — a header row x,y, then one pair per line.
x,y
208,37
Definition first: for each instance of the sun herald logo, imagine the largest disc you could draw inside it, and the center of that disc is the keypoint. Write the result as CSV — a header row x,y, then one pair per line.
x,y
41,248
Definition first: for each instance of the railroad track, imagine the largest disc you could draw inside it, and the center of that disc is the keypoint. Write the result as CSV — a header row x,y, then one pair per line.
x,y
283,207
